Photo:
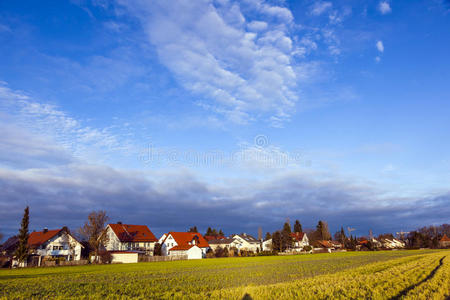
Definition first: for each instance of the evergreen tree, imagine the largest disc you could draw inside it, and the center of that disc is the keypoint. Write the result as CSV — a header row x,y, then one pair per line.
x,y
343,237
297,226
287,227
193,229
286,237
22,249
221,233
208,231
277,242
268,236
322,231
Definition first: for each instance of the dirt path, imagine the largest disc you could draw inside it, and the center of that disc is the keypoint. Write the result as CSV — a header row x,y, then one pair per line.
x,y
411,287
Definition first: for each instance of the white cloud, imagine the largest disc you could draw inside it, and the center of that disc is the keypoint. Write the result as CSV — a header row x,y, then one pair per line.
x,y
320,7
244,75
384,7
53,125
380,46
257,26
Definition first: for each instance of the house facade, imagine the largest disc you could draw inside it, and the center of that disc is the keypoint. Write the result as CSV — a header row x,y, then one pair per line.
x,y
126,237
444,242
54,243
300,240
190,244
246,242
392,244
225,243
267,245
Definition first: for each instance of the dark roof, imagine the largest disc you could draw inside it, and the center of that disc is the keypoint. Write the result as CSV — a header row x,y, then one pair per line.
x,y
10,244
247,238
223,241
133,233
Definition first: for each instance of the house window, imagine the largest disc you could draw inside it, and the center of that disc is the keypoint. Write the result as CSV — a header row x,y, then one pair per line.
x,y
58,247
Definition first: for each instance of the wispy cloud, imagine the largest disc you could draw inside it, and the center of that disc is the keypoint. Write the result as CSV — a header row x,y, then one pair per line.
x,y
240,66
384,7
320,7
53,124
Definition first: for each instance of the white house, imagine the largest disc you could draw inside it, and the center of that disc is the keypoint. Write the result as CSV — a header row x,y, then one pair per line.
x,y
392,243
225,243
267,245
54,243
247,242
126,237
191,244
190,252
300,240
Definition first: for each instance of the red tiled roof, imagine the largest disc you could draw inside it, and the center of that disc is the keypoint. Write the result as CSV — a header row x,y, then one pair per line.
x,y
37,238
445,238
212,237
184,238
181,247
325,244
298,236
133,233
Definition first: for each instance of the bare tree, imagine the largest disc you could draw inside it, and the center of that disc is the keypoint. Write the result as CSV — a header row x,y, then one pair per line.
x,y
94,231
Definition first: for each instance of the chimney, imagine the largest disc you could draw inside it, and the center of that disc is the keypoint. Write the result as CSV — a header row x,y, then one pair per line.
x,y
45,230
119,222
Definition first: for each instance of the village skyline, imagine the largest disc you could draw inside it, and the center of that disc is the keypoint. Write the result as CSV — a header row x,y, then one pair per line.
x,y
238,113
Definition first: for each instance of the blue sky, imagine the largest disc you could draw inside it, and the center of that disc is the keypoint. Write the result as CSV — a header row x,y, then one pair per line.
x,y
232,114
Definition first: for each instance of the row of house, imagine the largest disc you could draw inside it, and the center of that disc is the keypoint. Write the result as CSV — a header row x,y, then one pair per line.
x,y
126,242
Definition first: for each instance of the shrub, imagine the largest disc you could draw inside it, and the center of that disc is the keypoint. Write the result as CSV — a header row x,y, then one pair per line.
x,y
105,257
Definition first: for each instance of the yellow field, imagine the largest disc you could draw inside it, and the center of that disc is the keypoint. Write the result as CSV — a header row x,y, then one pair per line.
x,y
355,275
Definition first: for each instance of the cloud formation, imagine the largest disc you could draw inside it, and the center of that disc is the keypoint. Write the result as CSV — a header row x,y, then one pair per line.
x,y
44,124
384,7
178,200
238,57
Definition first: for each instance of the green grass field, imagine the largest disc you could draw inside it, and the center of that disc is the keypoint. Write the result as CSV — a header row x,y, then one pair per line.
x,y
353,275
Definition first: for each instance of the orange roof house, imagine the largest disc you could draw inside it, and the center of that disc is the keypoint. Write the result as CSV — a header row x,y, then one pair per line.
x,y
444,241
192,244
132,233
186,239
37,238
57,242
298,236
127,237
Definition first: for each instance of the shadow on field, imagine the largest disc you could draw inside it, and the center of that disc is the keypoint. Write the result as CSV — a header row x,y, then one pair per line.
x,y
411,287
247,297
